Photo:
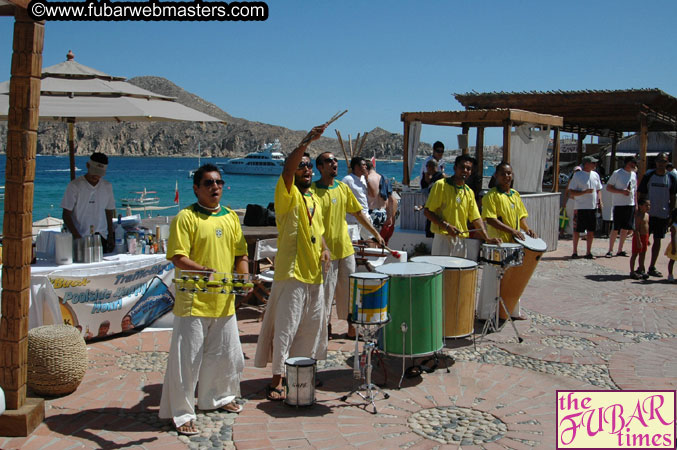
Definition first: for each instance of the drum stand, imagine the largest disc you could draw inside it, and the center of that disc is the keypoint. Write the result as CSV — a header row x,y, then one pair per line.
x,y
492,323
364,360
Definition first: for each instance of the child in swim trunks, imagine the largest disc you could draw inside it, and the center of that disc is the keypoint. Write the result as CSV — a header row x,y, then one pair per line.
x,y
671,251
640,239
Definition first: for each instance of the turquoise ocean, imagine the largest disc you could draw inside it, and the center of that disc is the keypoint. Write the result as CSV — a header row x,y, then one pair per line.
x,y
161,174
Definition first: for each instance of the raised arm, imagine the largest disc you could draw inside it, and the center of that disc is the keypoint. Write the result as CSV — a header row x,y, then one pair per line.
x,y
294,158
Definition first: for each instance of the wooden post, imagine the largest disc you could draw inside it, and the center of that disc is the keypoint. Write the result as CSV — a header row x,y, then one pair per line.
x,y
71,147
479,150
464,130
643,144
21,417
612,163
507,126
555,162
405,155
579,148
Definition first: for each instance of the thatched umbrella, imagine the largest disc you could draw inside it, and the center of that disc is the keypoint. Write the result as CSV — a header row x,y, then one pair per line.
x,y
71,92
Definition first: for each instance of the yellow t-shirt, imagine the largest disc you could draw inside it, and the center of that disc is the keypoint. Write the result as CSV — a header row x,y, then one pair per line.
x,y
299,223
210,239
336,200
455,204
506,207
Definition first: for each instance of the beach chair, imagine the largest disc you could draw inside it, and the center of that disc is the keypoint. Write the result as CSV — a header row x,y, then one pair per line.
x,y
263,273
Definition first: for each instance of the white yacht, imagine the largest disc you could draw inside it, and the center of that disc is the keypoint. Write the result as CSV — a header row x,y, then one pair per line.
x,y
267,161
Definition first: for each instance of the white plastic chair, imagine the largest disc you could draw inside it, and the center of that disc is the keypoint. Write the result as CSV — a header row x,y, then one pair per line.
x,y
265,248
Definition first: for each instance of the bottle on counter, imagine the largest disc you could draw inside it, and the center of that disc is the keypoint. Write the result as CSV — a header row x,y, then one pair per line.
x,y
119,236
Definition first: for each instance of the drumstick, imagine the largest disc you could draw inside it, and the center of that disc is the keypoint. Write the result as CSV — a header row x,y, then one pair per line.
x,y
326,124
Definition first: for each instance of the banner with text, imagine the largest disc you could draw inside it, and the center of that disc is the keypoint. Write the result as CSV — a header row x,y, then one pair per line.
x,y
103,304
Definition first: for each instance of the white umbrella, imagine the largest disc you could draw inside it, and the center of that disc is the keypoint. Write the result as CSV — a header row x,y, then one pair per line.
x,y
71,92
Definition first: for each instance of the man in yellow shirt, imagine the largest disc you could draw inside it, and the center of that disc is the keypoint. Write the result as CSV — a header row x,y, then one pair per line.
x,y
295,322
336,199
506,218
503,210
450,206
204,237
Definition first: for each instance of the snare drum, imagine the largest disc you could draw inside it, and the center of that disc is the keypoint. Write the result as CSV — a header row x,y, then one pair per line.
x,y
415,304
300,385
508,254
516,279
368,298
460,283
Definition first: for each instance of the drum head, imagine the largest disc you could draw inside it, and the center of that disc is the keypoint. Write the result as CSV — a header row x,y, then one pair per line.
x,y
534,244
299,361
409,269
447,262
368,276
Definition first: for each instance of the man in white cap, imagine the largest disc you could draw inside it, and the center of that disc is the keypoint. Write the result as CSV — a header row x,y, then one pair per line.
x,y
585,187
89,203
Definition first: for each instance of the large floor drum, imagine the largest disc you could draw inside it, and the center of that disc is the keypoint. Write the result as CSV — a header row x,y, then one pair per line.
x,y
415,303
459,286
516,279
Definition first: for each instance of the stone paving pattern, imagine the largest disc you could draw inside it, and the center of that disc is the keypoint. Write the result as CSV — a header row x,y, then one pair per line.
x,y
587,326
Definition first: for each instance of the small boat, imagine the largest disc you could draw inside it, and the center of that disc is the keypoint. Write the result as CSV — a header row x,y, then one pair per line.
x,y
267,161
141,199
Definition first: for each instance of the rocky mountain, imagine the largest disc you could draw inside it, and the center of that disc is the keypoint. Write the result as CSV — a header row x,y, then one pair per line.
x,y
237,137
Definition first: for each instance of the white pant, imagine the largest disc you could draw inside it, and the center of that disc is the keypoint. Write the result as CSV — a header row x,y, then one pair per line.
x,y
443,246
295,324
486,302
337,283
202,349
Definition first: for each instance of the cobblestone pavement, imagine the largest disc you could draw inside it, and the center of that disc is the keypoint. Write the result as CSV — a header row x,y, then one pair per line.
x,y
587,326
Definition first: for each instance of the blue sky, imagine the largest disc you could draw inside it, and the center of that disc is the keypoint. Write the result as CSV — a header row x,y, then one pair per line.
x,y
380,58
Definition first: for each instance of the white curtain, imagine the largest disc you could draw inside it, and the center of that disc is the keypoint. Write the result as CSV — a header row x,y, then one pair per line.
x,y
528,150
414,140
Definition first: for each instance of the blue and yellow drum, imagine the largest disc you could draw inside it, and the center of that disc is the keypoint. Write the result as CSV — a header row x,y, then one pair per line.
x,y
368,298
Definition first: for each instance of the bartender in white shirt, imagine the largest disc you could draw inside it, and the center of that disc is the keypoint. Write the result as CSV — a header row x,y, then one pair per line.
x,y
89,203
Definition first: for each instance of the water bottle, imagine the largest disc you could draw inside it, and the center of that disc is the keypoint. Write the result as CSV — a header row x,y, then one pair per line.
x,y
119,236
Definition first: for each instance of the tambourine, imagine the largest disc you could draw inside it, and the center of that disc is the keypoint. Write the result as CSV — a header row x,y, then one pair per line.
x,y
213,282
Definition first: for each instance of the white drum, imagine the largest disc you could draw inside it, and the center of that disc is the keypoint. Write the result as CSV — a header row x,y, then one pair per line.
x,y
507,254
300,386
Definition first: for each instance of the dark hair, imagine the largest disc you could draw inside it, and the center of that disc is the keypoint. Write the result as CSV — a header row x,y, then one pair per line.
x,y
319,161
432,161
629,159
460,159
306,154
199,173
99,157
438,144
642,201
370,166
501,165
356,161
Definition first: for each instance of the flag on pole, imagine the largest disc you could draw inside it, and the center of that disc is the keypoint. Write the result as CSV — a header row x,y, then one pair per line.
x,y
176,193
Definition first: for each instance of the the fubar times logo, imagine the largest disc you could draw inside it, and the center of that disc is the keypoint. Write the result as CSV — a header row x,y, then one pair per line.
x,y
616,419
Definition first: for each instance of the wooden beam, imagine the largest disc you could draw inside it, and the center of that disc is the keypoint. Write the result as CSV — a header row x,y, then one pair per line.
x,y
490,117
24,101
479,150
71,147
506,141
612,162
643,144
579,148
405,155
555,162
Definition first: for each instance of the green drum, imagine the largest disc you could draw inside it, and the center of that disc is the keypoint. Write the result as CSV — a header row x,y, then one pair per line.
x,y
415,308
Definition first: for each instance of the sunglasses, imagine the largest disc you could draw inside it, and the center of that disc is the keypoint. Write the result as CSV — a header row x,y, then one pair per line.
x,y
329,160
438,151
210,182
304,164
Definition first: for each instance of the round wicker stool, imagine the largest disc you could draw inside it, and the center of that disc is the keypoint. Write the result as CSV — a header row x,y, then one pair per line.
x,y
57,359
